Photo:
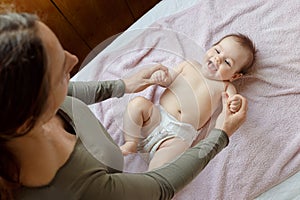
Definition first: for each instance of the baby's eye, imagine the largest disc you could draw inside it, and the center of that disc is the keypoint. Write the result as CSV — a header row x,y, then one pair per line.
x,y
218,52
228,63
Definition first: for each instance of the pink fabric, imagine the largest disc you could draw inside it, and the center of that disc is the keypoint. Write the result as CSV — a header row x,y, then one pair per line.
x,y
265,150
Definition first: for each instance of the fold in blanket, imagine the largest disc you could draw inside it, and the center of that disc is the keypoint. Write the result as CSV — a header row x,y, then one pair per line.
x,y
265,150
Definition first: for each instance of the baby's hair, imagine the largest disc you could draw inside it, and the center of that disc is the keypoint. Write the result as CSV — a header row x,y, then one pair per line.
x,y
245,42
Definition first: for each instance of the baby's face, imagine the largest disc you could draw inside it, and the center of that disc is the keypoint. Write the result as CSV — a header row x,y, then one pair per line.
x,y
224,60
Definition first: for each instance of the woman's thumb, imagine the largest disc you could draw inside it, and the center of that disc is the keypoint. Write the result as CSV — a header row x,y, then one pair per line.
x,y
224,99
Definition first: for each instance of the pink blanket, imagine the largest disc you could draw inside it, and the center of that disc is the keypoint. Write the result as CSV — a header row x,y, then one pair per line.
x,y
265,150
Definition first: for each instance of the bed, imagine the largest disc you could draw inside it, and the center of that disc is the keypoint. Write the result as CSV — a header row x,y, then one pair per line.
x,y
262,160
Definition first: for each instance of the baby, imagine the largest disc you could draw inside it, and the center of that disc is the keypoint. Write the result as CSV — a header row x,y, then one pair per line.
x,y
193,93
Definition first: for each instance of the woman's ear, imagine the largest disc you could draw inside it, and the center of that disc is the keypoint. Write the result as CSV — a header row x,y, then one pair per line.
x,y
236,76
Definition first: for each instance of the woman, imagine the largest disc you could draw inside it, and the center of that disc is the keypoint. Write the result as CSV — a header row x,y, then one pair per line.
x,y
40,154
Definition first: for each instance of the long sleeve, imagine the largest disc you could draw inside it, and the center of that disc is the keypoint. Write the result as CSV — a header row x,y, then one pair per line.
x,y
162,183
85,177
96,91
192,162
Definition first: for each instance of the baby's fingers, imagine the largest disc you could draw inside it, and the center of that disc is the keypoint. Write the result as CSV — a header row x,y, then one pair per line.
x,y
234,108
235,103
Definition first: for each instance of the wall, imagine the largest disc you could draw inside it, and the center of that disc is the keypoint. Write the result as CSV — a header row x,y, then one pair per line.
x,y
82,25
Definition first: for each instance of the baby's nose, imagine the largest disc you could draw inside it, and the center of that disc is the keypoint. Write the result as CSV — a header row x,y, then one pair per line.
x,y
218,59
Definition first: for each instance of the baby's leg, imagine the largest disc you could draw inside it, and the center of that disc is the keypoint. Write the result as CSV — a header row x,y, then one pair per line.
x,y
167,152
140,113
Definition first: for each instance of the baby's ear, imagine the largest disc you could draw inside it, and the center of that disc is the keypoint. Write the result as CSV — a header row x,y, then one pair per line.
x,y
236,76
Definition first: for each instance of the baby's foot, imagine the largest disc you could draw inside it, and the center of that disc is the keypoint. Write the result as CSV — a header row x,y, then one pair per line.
x,y
128,148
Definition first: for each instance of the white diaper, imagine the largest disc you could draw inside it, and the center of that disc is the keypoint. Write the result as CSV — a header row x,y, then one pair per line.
x,y
169,127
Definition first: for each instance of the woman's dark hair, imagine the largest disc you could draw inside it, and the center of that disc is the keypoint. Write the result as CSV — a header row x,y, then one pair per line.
x,y
23,89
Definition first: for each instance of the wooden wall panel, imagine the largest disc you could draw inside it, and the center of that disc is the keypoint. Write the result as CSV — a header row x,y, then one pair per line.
x,y
81,25
49,14
96,20
140,7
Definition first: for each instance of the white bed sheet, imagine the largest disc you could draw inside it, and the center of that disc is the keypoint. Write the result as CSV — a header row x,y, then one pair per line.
x,y
287,190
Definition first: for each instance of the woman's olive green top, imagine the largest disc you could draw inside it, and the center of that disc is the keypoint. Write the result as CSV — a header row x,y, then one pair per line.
x,y
85,177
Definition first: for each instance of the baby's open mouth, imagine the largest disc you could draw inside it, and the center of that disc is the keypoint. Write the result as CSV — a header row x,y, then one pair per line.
x,y
211,66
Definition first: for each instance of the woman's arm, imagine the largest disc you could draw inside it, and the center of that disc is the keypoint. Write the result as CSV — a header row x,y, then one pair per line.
x,y
165,181
96,91
183,170
161,183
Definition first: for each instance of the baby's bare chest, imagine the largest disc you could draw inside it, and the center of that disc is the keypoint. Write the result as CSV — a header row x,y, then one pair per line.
x,y
193,84
192,98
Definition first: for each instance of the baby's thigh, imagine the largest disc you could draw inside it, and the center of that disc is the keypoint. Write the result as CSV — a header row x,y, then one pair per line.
x,y
176,144
143,113
168,151
152,122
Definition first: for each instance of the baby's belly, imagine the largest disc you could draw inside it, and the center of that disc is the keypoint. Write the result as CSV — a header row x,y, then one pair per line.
x,y
189,109
169,102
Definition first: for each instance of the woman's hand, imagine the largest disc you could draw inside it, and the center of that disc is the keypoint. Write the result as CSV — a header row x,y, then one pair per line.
x,y
142,79
230,121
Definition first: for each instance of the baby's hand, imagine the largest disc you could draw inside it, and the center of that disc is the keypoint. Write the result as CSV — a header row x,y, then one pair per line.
x,y
161,77
234,103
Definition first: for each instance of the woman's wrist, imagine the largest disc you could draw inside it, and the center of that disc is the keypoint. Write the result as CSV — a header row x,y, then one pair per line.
x,y
221,130
119,89
221,133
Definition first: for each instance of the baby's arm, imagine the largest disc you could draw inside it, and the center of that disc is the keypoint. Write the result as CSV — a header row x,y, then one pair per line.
x,y
234,102
166,78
